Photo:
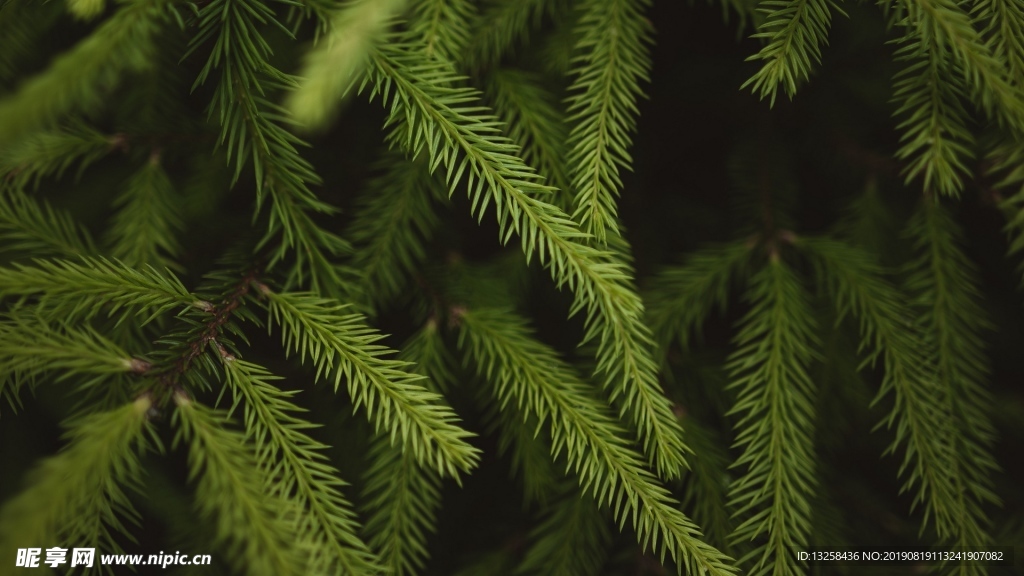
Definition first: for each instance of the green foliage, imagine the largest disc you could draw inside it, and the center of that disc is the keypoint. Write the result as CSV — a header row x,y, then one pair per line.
x,y
501,348
944,283
775,427
341,346
795,31
78,79
145,227
611,62
461,137
207,210
77,498
252,525
325,522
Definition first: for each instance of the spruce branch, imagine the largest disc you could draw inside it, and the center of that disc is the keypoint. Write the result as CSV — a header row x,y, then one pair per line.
x,y
795,31
77,497
79,79
681,297
944,284
52,152
342,346
30,347
254,527
144,229
535,122
251,129
502,24
402,496
88,286
705,489
949,27
442,26
775,420
394,220
572,540
427,113
519,433
31,227
22,24
1002,21
610,63
530,375
326,524
935,140
920,412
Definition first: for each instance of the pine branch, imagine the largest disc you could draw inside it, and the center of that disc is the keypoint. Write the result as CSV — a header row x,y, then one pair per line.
x,y
427,113
336,63
681,297
535,122
254,527
776,420
30,227
945,23
706,487
144,229
920,412
326,525
30,347
442,26
77,497
944,283
935,138
1003,22
530,375
572,540
79,79
88,286
795,31
343,346
395,220
53,152
403,497
519,431
250,129
501,25
611,62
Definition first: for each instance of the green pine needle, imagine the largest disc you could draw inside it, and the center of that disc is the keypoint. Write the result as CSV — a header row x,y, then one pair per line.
x,y
79,79
394,222
529,374
795,31
251,526
461,135
681,297
88,286
572,540
610,63
341,346
144,230
920,414
775,422
77,498
30,227
326,523
944,283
